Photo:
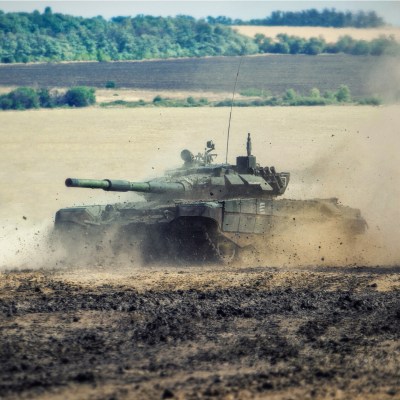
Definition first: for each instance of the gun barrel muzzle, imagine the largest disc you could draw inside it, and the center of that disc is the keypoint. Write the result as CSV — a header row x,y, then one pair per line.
x,y
105,184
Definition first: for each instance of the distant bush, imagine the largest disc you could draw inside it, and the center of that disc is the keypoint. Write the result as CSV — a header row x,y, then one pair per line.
x,y
343,94
110,85
290,95
46,100
80,96
314,46
123,103
361,48
328,94
308,101
223,103
5,102
190,100
371,101
24,98
384,46
157,99
315,93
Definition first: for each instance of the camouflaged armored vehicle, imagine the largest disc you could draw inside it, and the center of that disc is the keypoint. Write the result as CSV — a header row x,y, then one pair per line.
x,y
201,211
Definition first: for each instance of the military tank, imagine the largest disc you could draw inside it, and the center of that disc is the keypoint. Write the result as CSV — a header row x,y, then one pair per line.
x,y
202,211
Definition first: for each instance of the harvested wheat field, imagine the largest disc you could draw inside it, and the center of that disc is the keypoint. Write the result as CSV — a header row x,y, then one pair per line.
x,y
329,34
283,327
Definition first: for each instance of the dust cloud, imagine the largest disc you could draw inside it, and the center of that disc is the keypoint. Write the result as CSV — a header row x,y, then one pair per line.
x,y
28,246
384,79
363,172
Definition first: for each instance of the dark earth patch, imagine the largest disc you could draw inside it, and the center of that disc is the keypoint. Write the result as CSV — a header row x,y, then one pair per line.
x,y
364,75
247,342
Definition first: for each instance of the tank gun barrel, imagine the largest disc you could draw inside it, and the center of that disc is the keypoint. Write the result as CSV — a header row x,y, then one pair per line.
x,y
126,186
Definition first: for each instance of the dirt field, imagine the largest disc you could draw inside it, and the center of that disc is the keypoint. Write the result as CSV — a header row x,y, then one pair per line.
x,y
281,328
330,34
364,75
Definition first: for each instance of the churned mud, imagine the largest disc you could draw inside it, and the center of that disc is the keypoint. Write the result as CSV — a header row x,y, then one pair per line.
x,y
200,332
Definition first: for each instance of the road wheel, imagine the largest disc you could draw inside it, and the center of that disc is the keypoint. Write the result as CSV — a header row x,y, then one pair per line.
x,y
226,250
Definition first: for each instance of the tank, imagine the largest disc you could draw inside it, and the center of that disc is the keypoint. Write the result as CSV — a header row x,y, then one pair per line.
x,y
202,211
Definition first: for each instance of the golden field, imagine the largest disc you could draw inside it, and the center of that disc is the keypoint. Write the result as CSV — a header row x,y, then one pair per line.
x,y
330,34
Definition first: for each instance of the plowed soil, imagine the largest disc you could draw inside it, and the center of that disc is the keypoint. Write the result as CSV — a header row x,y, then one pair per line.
x,y
364,75
190,333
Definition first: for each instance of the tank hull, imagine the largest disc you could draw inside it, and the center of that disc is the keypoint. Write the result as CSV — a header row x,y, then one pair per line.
x,y
200,230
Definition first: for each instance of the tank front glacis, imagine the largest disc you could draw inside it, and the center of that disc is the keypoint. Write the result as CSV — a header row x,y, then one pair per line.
x,y
201,210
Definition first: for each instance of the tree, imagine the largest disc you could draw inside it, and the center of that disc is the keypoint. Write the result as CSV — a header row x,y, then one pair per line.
x,y
5,102
80,96
110,85
45,99
314,93
23,98
343,94
314,46
48,36
361,47
290,95
281,47
345,44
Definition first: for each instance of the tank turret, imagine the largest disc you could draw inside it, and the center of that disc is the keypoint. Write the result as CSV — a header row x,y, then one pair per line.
x,y
200,179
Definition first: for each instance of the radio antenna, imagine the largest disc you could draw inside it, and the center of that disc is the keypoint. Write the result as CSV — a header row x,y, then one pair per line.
x,y
230,114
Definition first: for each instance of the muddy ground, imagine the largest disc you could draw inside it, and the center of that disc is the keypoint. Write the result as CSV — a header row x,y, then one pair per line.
x,y
192,333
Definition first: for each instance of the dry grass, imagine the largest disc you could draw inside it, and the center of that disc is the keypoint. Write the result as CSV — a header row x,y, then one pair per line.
x,y
330,34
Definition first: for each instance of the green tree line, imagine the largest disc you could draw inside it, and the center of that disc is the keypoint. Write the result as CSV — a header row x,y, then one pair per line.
x,y
54,37
26,37
289,44
312,17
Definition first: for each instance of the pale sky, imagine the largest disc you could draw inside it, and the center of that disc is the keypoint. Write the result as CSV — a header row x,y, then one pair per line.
x,y
389,10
